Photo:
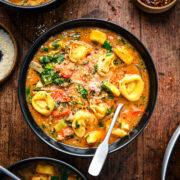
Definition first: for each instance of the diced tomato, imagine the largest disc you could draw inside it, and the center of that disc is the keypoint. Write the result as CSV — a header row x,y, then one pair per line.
x,y
61,111
65,132
66,73
60,95
135,110
82,77
89,67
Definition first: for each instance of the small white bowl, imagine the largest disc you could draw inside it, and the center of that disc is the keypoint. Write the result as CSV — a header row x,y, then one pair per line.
x,y
15,52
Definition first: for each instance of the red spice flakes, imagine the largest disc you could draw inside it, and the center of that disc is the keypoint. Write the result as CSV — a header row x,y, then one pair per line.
x,y
157,3
113,8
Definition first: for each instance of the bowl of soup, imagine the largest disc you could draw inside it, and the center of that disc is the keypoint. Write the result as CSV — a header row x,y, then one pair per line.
x,y
44,168
74,76
28,4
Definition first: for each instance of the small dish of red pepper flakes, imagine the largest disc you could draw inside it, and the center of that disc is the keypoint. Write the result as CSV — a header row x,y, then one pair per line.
x,y
157,3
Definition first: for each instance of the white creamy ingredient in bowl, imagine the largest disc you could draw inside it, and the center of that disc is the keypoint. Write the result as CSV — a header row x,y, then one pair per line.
x,y
7,53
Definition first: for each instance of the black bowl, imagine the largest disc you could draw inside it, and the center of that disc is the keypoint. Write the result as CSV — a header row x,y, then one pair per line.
x,y
87,152
44,6
62,164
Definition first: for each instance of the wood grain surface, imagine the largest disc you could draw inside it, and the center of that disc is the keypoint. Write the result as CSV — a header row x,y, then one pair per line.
x,y
141,159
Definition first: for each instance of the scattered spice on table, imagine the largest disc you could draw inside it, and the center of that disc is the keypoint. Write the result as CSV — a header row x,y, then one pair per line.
x,y
157,3
7,53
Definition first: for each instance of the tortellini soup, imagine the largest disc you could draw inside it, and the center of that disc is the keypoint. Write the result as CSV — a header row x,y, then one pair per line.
x,y
76,80
43,170
28,2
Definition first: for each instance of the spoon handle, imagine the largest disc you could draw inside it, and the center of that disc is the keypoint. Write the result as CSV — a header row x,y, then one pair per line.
x,y
102,151
8,173
168,152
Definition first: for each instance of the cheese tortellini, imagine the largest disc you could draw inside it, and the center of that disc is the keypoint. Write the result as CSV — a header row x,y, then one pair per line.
x,y
104,63
78,51
131,87
43,103
98,36
99,110
81,119
123,53
92,137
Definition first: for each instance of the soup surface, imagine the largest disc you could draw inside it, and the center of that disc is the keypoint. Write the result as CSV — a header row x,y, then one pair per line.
x,y
44,171
28,2
76,80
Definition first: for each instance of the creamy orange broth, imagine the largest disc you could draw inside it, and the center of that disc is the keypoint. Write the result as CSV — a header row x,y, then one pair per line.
x,y
85,74
44,171
29,2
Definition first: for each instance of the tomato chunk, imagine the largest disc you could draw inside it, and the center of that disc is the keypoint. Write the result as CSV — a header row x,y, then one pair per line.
x,y
60,95
66,73
61,111
135,110
65,132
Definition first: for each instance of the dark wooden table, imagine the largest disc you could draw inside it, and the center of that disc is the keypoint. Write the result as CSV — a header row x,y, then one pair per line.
x,y
142,158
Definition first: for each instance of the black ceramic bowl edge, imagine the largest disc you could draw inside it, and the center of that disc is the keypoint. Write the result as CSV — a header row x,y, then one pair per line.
x,y
32,159
45,6
95,23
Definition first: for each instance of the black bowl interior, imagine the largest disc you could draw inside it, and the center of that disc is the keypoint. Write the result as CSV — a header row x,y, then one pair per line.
x,y
27,8
57,163
85,152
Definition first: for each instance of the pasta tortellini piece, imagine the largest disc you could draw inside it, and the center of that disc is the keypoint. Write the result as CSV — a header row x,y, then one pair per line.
x,y
40,178
131,87
99,110
78,51
45,169
92,137
119,132
81,119
123,53
112,88
98,36
104,63
43,103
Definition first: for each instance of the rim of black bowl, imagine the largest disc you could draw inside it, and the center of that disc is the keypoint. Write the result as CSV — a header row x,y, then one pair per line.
x,y
88,22
32,159
28,7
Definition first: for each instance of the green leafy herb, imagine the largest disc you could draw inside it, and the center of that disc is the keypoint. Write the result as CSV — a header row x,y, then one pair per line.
x,y
107,46
56,106
47,107
55,178
55,45
100,124
46,49
37,89
95,68
61,110
103,98
77,125
43,125
30,99
109,54
64,105
82,91
115,61
49,66
109,111
44,60
28,90
121,40
70,135
64,175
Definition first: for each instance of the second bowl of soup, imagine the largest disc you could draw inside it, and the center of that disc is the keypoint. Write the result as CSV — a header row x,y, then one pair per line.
x,y
73,78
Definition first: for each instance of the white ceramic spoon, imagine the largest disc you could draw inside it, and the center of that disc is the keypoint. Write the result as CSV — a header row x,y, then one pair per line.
x,y
8,173
102,150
